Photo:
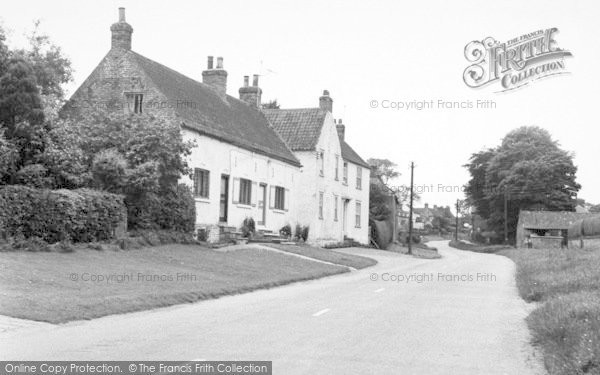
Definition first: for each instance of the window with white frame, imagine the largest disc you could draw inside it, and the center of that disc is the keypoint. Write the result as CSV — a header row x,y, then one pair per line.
x,y
335,207
279,198
345,177
321,205
245,191
201,183
337,167
321,156
358,216
359,178
134,102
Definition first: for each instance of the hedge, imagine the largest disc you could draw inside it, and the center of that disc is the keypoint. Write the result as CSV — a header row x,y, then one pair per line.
x,y
585,228
81,215
173,210
591,227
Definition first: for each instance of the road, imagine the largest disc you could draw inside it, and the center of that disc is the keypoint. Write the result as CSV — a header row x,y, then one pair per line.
x,y
345,324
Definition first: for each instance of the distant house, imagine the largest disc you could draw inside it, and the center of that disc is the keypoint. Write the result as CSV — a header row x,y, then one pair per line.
x,y
334,180
547,229
423,215
241,166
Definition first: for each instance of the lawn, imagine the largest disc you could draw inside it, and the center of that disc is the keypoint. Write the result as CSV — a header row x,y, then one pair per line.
x,y
326,255
566,323
58,287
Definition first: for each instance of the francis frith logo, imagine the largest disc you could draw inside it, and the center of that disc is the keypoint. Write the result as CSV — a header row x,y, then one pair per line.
x,y
514,63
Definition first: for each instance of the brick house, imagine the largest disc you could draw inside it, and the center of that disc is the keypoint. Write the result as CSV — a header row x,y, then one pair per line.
x,y
334,178
241,166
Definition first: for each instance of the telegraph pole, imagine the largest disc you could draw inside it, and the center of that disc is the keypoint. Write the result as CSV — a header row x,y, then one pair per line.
x,y
456,230
505,217
410,212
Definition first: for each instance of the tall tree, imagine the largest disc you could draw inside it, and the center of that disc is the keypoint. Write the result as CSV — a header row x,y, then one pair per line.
x,y
384,169
529,170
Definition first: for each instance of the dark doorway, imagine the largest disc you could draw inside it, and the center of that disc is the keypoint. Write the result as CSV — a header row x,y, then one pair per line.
x,y
223,204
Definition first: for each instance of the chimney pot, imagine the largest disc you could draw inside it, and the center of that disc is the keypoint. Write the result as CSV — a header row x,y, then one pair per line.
x,y
121,33
325,102
341,129
216,78
251,94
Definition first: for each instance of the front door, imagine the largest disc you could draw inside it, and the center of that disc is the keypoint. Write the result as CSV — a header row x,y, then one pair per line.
x,y
224,198
345,215
262,203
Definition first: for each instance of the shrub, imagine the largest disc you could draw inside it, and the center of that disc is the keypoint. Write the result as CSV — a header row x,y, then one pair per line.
x,y
298,232
201,235
286,231
304,235
171,210
81,215
248,227
109,170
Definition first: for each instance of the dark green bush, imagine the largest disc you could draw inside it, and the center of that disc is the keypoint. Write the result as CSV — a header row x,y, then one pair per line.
x,y
286,231
171,210
304,235
248,227
81,215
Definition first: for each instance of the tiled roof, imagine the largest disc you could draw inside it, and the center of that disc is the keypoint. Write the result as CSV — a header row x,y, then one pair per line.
x,y
350,155
299,128
225,118
550,219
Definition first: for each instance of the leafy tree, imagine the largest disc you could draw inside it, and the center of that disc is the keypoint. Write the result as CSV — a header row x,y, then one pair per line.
x,y
379,201
142,157
51,68
384,169
19,97
529,169
595,208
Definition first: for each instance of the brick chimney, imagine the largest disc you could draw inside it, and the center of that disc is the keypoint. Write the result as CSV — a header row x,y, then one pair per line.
x,y
341,129
325,101
216,78
121,33
251,94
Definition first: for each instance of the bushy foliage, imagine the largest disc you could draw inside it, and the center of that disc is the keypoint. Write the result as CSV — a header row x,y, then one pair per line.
x,y
528,168
57,215
304,234
286,231
174,209
143,158
248,227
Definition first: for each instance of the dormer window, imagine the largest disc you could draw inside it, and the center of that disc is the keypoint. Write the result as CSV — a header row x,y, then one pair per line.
x,y
134,102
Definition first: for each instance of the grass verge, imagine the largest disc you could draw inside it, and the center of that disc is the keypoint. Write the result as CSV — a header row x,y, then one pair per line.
x,y
488,249
58,287
418,250
566,324
326,255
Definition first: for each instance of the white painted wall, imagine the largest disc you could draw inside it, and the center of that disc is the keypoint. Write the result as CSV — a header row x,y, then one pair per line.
x,y
310,183
223,158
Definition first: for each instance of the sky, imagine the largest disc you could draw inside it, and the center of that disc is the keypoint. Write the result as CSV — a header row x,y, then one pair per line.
x,y
368,54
